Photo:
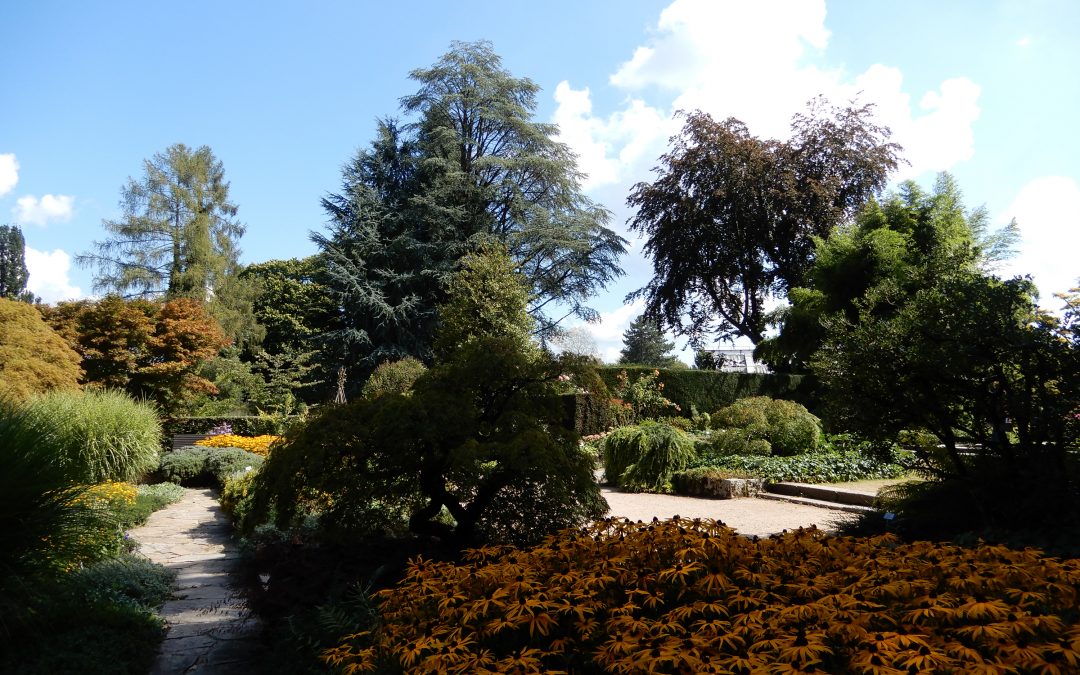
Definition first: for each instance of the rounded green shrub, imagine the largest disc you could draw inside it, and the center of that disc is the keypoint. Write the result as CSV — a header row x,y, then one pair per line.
x,y
644,456
788,427
200,465
393,377
98,435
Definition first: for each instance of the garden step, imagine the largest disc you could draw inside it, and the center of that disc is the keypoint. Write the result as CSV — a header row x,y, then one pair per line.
x,y
825,493
820,503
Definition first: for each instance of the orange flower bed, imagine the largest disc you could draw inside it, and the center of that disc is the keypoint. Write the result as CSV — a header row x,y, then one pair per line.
x,y
692,597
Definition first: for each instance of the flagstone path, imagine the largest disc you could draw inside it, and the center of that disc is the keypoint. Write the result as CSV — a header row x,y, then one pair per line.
x,y
210,631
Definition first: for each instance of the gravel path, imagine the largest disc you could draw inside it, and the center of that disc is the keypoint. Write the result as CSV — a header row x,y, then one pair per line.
x,y
749,516
209,630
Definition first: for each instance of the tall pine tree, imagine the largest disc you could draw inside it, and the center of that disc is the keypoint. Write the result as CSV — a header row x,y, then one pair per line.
x,y
644,344
13,273
471,167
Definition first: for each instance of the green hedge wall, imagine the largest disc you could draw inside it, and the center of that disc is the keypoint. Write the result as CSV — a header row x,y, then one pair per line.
x,y
244,426
587,414
710,390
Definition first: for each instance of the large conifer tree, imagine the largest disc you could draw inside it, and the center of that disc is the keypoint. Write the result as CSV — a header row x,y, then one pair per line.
x,y
13,274
471,166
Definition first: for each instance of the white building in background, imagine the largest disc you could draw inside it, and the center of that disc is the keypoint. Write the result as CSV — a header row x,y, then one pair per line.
x,y
737,361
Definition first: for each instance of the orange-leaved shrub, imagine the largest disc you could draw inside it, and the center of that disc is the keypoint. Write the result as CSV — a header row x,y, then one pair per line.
x,y
685,596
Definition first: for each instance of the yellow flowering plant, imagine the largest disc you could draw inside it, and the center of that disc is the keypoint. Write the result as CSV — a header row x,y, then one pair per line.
x,y
260,445
685,596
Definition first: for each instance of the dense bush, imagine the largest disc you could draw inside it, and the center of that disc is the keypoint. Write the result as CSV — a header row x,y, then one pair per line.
x,y
393,377
830,466
725,442
644,456
98,435
98,619
236,496
195,465
788,427
34,359
693,597
710,389
591,414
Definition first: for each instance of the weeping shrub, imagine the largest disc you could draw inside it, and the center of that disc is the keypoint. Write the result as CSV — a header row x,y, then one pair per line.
x,y
99,435
789,428
644,456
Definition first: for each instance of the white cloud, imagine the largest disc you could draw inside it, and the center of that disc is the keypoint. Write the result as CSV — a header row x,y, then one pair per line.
x,y
753,61
608,331
30,209
9,173
1047,210
49,275
1025,41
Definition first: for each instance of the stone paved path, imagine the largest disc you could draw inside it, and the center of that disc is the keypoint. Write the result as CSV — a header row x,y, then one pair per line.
x,y
209,630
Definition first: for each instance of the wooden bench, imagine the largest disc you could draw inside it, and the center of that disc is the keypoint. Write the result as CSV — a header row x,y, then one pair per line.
x,y
181,440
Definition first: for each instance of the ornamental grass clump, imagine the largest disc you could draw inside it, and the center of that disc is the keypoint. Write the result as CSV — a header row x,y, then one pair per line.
x,y
644,456
98,435
685,596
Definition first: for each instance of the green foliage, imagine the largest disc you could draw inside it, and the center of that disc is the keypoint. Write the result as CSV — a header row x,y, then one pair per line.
x,y
237,496
787,427
177,235
709,390
830,466
393,377
724,442
99,435
481,435
644,344
591,414
245,425
730,219
902,244
33,358
13,274
98,619
644,457
198,465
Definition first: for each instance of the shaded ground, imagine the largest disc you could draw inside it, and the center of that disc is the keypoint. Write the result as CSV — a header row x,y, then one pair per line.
x,y
209,629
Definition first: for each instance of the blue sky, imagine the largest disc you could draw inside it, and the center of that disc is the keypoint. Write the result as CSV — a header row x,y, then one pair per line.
x,y
284,93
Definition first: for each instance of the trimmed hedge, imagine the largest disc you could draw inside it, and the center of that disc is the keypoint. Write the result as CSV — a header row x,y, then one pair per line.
x,y
246,425
589,415
708,390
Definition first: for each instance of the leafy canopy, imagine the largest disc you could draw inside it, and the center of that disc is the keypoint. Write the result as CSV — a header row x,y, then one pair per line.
x,y
33,358
731,218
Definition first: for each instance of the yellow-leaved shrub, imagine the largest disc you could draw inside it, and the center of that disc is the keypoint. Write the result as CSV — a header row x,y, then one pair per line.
x,y
685,596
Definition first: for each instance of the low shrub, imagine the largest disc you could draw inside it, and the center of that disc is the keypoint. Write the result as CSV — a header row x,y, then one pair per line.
x,y
99,619
685,596
393,377
789,428
817,467
644,456
260,445
98,435
148,499
195,465
237,496
726,442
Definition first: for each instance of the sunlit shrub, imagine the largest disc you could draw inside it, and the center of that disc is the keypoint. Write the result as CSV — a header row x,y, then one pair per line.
x,y
260,445
788,427
393,377
815,467
196,465
693,597
644,456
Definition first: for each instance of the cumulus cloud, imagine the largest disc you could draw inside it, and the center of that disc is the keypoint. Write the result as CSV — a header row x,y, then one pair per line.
x,y
9,173
1047,210
30,209
760,62
48,275
608,331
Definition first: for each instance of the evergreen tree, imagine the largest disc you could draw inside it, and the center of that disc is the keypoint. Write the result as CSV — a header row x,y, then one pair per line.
x,y
13,274
644,344
178,232
472,167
